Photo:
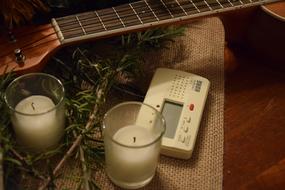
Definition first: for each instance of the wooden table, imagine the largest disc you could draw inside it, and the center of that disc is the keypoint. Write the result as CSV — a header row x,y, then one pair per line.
x,y
254,154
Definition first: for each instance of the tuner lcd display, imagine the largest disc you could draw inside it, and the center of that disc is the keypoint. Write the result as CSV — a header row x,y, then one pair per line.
x,y
171,112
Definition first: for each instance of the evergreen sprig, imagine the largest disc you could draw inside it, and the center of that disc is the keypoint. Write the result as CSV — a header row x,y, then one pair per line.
x,y
88,77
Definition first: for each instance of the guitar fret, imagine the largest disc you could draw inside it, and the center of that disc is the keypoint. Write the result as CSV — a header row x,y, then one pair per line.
x,y
175,8
199,6
208,5
160,10
145,16
65,27
230,3
195,6
128,15
214,4
136,13
80,24
220,3
167,9
188,7
151,10
93,26
93,30
118,16
235,2
110,19
90,22
100,20
202,6
181,7
70,23
225,3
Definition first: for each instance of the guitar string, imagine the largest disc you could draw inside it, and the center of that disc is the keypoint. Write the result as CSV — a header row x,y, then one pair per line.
x,y
70,19
25,34
26,45
125,16
201,4
33,42
43,29
107,15
225,1
30,43
29,48
89,24
122,16
92,24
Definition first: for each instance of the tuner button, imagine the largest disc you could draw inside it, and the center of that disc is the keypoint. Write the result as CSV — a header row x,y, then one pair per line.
x,y
188,119
185,128
20,58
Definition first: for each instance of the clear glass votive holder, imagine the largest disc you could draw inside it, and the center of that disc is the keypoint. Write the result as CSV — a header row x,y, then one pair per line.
x,y
132,138
36,105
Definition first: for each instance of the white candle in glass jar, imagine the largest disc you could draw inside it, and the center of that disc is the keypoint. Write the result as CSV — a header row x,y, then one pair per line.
x,y
135,160
35,122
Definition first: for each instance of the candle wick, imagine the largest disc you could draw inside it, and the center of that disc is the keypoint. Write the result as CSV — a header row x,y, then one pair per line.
x,y
134,139
32,104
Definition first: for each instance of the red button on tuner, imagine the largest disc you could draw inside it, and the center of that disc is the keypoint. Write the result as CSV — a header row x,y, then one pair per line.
x,y
191,107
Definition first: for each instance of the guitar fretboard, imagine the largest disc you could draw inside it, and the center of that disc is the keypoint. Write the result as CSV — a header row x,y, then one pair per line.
x,y
140,14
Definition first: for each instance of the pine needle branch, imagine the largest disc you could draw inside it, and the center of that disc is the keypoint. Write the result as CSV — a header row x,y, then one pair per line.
x,y
101,90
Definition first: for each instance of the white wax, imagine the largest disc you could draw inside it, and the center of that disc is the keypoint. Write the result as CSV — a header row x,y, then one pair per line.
x,y
133,164
34,124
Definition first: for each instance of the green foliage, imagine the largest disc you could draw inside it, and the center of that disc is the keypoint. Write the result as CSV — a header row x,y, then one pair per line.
x,y
88,78
151,39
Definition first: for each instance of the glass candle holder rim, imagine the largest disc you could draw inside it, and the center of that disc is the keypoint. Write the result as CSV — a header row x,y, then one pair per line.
x,y
138,103
34,74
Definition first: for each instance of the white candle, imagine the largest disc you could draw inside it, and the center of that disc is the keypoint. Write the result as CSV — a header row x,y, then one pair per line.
x,y
132,163
36,122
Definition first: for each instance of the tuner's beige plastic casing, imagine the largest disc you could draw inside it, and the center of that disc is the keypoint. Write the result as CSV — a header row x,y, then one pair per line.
x,y
181,88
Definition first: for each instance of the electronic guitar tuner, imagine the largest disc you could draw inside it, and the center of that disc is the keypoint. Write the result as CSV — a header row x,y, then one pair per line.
x,y
180,97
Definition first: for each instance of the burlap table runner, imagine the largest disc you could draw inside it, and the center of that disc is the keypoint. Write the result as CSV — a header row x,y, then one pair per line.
x,y
200,51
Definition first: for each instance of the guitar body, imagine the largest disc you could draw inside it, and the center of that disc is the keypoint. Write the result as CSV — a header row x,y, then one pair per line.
x,y
276,10
37,43
266,35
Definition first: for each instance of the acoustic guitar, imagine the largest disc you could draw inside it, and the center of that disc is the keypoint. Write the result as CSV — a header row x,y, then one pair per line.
x,y
27,49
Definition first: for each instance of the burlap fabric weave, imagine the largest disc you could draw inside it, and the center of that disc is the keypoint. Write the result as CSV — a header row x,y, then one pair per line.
x,y
200,51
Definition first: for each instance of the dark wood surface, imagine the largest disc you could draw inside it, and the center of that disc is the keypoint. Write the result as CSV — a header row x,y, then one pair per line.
x,y
254,155
254,148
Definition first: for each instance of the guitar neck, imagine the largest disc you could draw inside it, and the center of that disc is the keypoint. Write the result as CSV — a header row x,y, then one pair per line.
x,y
39,43
139,15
